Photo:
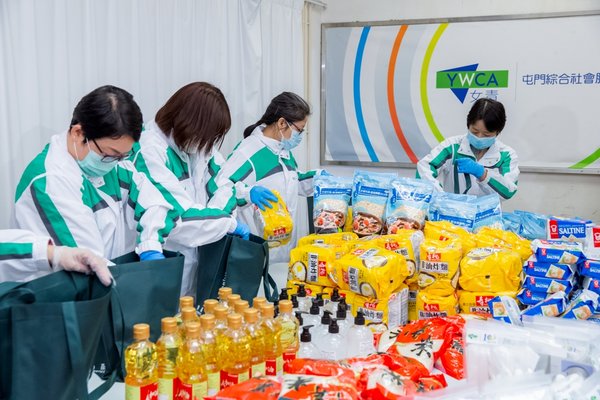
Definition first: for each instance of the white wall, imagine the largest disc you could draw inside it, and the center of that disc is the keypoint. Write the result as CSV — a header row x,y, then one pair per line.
x,y
572,195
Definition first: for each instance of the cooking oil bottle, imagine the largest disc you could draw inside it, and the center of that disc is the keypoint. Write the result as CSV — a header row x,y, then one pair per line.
x,y
220,313
185,301
273,353
224,292
167,346
193,382
236,346
209,306
257,341
141,366
211,353
258,302
188,315
231,299
240,306
289,331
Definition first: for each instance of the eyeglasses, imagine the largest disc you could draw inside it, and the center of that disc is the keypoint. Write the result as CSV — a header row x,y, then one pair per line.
x,y
109,159
296,126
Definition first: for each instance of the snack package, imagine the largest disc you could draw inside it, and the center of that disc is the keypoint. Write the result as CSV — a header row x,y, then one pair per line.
x,y
530,298
505,308
263,388
490,237
452,361
371,272
548,285
557,251
592,284
572,230
406,243
511,222
582,306
478,302
332,238
552,306
461,210
369,197
413,290
408,204
490,270
446,231
388,312
489,212
331,198
591,247
533,226
433,306
275,223
314,264
590,268
439,267
533,267
335,369
304,387
311,290
383,384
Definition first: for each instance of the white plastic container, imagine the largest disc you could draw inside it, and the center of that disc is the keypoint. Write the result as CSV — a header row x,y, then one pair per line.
x,y
307,348
359,339
334,345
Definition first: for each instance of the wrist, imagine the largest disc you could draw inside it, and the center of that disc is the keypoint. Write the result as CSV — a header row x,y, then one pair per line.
x,y
483,175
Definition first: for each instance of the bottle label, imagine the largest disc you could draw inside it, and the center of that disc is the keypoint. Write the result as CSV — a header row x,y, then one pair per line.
x,y
271,367
288,357
258,369
194,391
141,392
279,365
166,389
214,383
228,379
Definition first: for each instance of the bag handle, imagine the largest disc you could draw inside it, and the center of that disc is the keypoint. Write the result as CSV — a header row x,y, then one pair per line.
x,y
269,285
75,348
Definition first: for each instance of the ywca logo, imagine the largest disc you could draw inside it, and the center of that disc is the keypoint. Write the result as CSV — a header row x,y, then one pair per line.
x,y
460,79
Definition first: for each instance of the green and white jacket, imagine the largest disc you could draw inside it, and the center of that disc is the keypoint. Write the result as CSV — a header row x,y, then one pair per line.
x,y
500,161
106,214
23,255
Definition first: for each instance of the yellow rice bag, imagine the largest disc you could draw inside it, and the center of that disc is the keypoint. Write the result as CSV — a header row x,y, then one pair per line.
x,y
477,302
391,311
413,290
439,267
330,238
275,223
431,306
491,270
444,230
404,242
371,272
311,290
490,237
314,263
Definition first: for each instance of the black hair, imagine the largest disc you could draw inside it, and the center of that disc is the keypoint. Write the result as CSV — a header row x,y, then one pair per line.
x,y
108,111
286,105
491,112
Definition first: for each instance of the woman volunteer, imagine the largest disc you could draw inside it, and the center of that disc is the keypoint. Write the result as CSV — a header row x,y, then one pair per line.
x,y
476,163
264,158
81,192
178,151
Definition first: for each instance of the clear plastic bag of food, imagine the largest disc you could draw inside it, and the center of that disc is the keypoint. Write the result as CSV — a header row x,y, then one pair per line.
x,y
275,223
461,210
408,204
533,226
486,269
331,198
489,212
439,267
369,196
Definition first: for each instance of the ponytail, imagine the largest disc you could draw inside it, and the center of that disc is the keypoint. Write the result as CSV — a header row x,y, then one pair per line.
x,y
248,131
286,105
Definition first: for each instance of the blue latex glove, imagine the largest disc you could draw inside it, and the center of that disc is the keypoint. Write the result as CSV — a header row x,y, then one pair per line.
x,y
262,197
325,173
242,230
151,255
468,166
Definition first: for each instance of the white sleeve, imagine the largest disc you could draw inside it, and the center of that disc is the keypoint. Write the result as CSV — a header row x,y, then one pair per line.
x,y
221,196
23,255
429,167
239,170
503,178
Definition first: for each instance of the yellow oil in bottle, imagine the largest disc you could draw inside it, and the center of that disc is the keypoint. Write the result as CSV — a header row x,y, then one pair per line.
x,y
234,347
273,352
239,307
258,302
141,365
220,314
211,353
209,306
188,315
224,292
193,382
185,301
231,299
167,346
289,331
257,341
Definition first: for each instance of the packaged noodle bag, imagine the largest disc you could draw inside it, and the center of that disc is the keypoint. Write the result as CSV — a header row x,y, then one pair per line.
x,y
369,197
408,204
490,270
406,243
331,238
331,199
477,302
371,272
439,267
314,263
490,237
388,312
275,223
431,306
446,231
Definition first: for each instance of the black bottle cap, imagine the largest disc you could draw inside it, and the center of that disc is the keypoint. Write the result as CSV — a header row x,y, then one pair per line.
x,y
294,299
284,295
335,296
305,336
314,309
326,318
343,303
301,290
320,299
341,313
359,319
299,317
333,326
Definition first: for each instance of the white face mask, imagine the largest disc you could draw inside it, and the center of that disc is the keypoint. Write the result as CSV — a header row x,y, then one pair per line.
x,y
294,140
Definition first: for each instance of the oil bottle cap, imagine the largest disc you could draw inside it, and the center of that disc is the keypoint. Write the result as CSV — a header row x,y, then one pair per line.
x,y
333,326
168,325
141,331
257,302
284,295
240,306
251,315
207,321
326,318
220,313
320,299
224,292
314,309
232,298
186,301
301,290
188,313
341,313
209,306
267,310
359,319
335,296
294,300
285,306
305,336
234,321
192,330
299,317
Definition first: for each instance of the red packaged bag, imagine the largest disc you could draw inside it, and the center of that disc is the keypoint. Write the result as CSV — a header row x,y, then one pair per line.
x,y
309,387
339,370
384,384
263,388
403,366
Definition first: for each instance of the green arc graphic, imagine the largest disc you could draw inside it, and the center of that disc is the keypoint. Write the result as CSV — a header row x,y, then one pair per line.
x,y
586,162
